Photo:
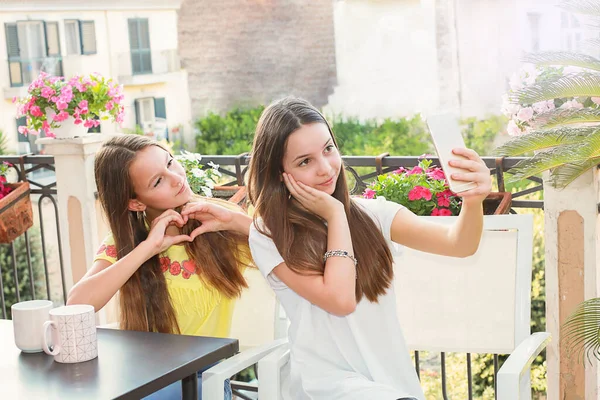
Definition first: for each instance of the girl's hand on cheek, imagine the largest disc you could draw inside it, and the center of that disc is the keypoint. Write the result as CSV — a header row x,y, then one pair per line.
x,y
315,201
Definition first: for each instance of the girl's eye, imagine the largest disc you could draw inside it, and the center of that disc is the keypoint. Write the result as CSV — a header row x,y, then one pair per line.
x,y
329,148
304,162
170,162
157,182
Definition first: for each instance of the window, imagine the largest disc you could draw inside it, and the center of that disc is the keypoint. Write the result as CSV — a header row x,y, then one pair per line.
x,y
80,37
151,115
139,43
571,32
32,46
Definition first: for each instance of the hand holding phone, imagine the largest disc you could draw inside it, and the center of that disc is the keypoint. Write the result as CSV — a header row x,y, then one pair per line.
x,y
446,135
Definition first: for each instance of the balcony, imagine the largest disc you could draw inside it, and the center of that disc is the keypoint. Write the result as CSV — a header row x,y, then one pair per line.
x,y
23,72
144,67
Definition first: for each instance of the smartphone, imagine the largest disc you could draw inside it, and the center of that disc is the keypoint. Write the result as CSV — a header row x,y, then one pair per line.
x,y
446,135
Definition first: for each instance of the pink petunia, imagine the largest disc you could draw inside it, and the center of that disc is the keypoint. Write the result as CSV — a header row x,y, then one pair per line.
x,y
435,212
88,123
35,111
444,212
419,192
436,173
369,193
23,130
400,170
415,170
443,200
47,92
61,104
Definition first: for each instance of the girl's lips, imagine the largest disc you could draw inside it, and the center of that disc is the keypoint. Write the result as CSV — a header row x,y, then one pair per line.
x,y
329,182
182,189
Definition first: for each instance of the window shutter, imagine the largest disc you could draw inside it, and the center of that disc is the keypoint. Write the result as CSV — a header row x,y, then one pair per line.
x,y
88,37
160,109
52,40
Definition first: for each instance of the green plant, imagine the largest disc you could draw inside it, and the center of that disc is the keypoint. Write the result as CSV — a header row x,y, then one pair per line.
x,y
422,189
555,108
479,134
228,134
201,180
24,275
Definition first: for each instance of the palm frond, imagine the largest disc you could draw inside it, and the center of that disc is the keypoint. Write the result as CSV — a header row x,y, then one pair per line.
x,y
553,158
563,58
592,43
564,175
560,117
581,331
589,7
541,140
582,84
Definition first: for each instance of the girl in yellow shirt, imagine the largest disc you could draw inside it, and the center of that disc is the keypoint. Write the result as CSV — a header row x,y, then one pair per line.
x,y
173,271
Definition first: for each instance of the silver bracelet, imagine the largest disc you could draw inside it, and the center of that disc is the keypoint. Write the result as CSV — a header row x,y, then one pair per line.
x,y
339,253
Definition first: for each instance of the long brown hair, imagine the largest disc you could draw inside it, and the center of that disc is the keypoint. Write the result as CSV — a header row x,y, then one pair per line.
x,y
145,303
301,236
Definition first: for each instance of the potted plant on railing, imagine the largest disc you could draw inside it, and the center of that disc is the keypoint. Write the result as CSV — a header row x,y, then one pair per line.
x,y
424,191
61,108
16,213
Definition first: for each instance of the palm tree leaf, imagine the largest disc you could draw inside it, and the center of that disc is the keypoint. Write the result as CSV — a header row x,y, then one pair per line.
x,y
580,332
555,157
559,117
589,7
563,58
541,140
575,85
565,174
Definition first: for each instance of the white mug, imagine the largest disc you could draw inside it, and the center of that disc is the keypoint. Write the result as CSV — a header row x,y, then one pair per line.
x,y
73,332
28,321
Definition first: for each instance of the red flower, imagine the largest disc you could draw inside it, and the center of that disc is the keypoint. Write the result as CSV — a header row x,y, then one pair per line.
x,y
436,173
175,268
164,263
185,274
369,193
101,249
111,251
443,200
441,212
419,192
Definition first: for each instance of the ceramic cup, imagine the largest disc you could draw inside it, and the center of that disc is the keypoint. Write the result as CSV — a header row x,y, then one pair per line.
x,y
28,322
73,332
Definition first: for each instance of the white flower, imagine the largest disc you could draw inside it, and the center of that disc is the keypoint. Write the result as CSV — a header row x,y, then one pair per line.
x,y
516,83
525,114
513,129
572,104
207,192
197,172
541,106
551,105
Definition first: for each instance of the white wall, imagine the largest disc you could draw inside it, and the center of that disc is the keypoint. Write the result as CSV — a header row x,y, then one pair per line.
x,y
386,59
388,55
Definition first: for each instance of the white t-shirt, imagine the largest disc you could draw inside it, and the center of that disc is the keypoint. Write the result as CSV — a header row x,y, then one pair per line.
x,y
360,356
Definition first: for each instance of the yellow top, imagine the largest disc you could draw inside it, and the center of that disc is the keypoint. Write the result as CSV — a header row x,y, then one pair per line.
x,y
200,309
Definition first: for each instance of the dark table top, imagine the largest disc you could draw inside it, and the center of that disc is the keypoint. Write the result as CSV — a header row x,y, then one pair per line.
x,y
130,365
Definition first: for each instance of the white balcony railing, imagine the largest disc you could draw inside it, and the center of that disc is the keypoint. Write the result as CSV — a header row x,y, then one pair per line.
x,y
151,65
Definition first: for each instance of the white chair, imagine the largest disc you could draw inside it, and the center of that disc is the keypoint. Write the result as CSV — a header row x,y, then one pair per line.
x,y
479,304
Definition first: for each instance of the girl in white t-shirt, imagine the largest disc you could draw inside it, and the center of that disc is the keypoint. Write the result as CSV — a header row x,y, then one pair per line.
x,y
328,257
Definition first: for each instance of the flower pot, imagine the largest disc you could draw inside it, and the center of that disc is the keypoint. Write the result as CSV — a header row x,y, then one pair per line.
x,y
497,203
67,129
16,214
234,194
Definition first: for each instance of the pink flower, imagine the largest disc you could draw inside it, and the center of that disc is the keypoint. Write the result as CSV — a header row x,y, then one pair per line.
x,y
54,99
596,100
83,104
441,212
63,115
62,105
77,121
436,173
415,170
400,170
50,135
14,99
419,192
88,123
109,106
443,200
35,111
369,193
46,126
525,114
47,92
23,130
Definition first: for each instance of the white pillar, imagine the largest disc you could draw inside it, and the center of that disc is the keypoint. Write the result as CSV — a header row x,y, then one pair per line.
x,y
77,211
572,257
